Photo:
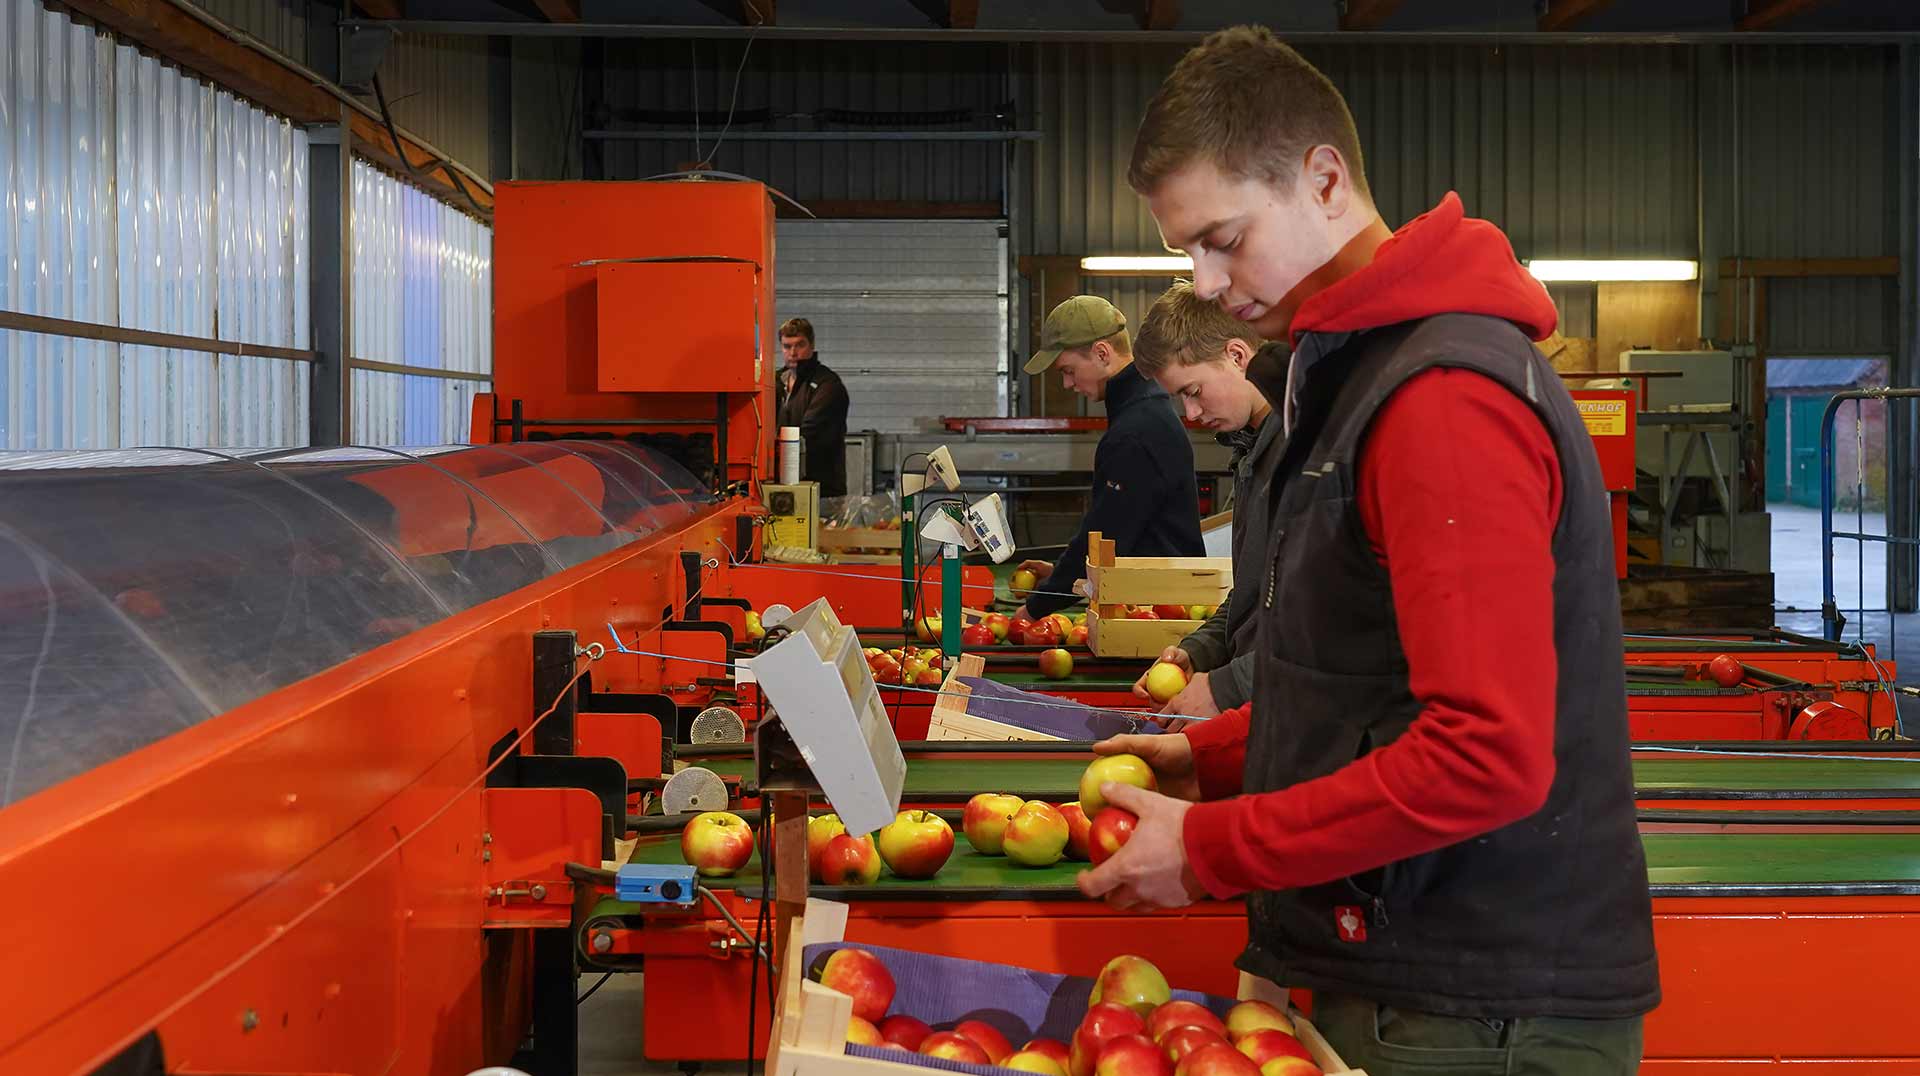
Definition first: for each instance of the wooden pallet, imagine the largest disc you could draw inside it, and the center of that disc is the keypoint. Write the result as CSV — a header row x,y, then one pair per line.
x,y
810,1021
950,720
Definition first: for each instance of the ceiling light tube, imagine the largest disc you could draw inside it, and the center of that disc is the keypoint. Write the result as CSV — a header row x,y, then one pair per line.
x,y
1612,270
1137,263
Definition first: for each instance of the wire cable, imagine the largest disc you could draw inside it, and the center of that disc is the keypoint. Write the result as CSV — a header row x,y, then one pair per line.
x,y
714,899
735,100
582,999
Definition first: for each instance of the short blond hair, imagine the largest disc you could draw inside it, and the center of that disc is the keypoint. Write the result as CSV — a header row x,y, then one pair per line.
x,y
797,327
1183,329
1249,105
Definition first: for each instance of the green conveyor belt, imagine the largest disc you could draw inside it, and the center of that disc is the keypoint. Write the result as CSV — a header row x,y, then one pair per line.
x,y
1034,681
1059,778
1675,861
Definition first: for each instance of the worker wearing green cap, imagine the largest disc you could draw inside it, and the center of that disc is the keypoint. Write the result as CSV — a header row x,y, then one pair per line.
x,y
1146,499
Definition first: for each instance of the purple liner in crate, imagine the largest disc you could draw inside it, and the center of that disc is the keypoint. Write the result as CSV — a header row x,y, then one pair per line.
x,y
1020,1004
1049,714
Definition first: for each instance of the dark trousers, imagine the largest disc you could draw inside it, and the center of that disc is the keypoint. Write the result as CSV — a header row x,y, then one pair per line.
x,y
1386,1041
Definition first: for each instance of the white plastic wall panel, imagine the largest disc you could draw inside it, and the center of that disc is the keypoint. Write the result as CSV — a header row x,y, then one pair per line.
x,y
912,314
422,296
136,196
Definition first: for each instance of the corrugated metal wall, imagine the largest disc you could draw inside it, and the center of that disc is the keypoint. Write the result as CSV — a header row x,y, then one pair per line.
x,y
141,198
437,88
642,78
423,297
283,24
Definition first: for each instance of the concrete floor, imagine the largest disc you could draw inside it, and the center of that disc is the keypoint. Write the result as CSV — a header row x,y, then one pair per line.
x,y
610,1043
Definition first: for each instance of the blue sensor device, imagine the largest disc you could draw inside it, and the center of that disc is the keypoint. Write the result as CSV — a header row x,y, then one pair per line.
x,y
655,883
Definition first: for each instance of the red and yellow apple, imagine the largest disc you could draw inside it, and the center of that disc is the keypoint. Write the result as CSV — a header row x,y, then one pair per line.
x,y
1268,1043
987,1037
755,630
1250,1016
863,1033
1132,981
1120,769
904,1031
849,860
1022,581
1017,628
1078,825
954,1047
915,844
1216,1060
1165,680
1103,1023
861,976
985,821
1078,636
929,677
1181,1041
1179,1014
1132,1055
1108,832
1170,612
998,624
1036,835
717,843
1053,1048
1035,1062
977,635
820,830
1056,664
927,629
1291,1066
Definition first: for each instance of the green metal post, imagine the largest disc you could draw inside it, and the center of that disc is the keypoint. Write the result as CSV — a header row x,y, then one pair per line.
x,y
950,601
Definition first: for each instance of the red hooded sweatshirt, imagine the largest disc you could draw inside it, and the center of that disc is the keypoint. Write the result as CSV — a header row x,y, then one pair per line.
x,y
1459,490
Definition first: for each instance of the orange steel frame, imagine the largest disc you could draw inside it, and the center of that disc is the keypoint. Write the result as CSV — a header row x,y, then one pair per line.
x,y
304,881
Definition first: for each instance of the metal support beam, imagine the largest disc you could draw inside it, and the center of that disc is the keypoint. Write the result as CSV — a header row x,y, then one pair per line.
x,y
1563,14
329,205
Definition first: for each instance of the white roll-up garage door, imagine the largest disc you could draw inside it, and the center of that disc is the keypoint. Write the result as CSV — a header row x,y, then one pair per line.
x,y
912,314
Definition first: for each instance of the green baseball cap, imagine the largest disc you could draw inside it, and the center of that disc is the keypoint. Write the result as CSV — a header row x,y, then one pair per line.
x,y
1077,322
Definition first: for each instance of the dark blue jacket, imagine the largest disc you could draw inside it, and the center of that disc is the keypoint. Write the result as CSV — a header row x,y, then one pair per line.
x,y
1146,499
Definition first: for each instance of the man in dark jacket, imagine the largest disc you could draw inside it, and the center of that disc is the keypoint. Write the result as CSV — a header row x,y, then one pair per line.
x,y
813,398
1146,498
1203,357
1429,806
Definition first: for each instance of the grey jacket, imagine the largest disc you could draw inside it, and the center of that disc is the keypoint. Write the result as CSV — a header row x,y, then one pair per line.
x,y
1223,646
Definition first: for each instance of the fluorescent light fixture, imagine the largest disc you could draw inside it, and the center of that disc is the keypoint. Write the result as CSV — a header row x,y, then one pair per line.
x,y
1618,269
1138,263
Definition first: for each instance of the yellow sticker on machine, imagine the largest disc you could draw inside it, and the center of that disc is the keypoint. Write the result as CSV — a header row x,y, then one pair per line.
x,y
1604,418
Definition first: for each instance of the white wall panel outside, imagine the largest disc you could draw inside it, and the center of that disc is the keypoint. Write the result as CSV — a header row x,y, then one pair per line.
x,y
912,314
137,197
422,297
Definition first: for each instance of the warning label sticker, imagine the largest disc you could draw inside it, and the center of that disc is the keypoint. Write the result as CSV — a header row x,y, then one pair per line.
x,y
1604,418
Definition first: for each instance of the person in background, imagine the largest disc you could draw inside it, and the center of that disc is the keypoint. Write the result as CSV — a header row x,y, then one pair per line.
x,y
1146,497
813,398
1200,354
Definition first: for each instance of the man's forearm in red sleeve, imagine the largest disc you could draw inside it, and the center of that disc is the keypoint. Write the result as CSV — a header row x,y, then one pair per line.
x,y
1220,751
1459,491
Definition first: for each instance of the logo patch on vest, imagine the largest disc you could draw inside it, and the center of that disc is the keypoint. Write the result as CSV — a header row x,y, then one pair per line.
x,y
1351,924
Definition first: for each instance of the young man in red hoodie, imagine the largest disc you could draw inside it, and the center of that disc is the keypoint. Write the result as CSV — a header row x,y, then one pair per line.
x,y
1429,804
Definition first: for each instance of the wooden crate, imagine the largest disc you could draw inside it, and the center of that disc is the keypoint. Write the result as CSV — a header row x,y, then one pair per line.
x,y
1109,638
810,1022
1155,580
842,539
950,720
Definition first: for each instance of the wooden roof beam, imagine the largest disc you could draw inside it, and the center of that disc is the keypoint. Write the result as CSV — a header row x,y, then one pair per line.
x,y
382,9
559,10
757,12
1564,14
1366,14
1765,14
1158,14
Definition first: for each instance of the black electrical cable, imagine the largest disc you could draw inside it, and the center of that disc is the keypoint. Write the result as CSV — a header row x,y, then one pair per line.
x,y
603,981
400,151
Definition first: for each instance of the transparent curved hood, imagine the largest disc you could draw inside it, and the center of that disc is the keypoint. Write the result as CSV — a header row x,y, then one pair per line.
x,y
145,590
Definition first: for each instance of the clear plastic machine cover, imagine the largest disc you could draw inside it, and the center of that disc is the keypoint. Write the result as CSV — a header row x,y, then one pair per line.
x,y
143,591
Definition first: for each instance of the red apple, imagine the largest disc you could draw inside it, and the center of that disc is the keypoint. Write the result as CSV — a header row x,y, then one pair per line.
x,y
1018,627
1132,981
861,976
1103,1023
1291,1066
977,635
1042,634
1056,664
1726,671
1036,835
1170,612
1268,1043
887,671
1144,614
930,677
916,844
1178,1014
985,821
1062,623
904,1031
954,1047
998,624
1217,1060
987,1037
1181,1041
1053,1048
863,1033
717,842
1077,829
820,830
1250,1016
1035,1062
1109,830
1078,636
1121,769
849,860
1132,1055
